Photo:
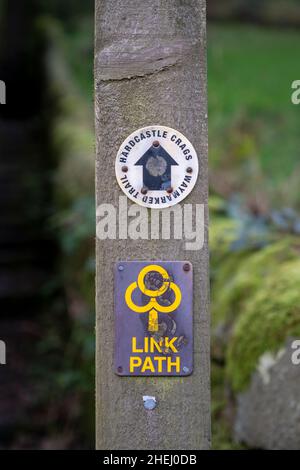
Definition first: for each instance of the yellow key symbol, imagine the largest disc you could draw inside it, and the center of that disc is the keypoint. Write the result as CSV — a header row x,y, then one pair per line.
x,y
153,307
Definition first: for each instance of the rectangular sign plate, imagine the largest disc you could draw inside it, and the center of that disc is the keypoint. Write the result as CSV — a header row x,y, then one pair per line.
x,y
153,318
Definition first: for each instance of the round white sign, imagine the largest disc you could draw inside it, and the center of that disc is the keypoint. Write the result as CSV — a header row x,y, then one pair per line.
x,y
157,167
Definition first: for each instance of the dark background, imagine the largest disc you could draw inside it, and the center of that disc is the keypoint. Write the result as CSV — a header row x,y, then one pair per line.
x,y
47,204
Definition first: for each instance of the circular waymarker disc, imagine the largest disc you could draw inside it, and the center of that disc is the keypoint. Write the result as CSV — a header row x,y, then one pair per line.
x,y
157,167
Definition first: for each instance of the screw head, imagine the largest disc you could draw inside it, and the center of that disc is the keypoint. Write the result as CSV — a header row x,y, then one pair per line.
x,y
144,190
156,144
186,267
170,190
125,169
189,169
120,369
150,404
121,268
185,369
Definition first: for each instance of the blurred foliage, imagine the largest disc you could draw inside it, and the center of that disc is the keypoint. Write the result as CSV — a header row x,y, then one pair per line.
x,y
68,11
73,224
252,123
254,176
270,12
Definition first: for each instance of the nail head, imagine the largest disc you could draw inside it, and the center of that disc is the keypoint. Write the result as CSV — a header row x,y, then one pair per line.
x,y
149,403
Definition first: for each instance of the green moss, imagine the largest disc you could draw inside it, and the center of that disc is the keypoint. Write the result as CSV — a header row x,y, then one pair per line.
x,y
240,276
269,316
222,233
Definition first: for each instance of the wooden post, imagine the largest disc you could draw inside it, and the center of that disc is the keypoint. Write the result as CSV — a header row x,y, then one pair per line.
x,y
150,68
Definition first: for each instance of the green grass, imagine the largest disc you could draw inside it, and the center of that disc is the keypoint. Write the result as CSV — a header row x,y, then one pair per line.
x,y
250,111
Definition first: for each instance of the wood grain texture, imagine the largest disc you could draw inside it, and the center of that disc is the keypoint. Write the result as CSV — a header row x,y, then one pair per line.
x,y
150,68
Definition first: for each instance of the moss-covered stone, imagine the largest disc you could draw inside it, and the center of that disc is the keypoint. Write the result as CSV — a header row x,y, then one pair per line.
x,y
269,316
241,275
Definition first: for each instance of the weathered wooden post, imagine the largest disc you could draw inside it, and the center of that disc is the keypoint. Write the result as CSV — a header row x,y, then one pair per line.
x,y
150,75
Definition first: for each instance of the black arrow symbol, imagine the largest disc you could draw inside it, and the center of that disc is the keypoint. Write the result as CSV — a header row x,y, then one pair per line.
x,y
157,164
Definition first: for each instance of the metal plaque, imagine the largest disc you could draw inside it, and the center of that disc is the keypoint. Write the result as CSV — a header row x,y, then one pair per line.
x,y
156,167
153,318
